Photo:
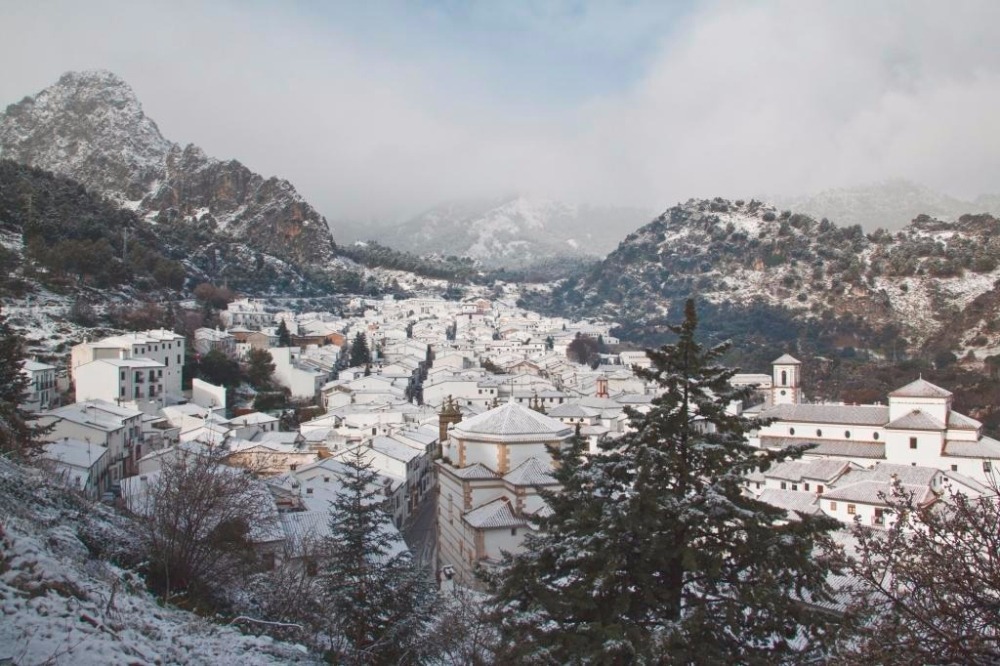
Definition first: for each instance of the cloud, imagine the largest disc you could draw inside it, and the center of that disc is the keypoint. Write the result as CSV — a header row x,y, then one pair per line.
x,y
377,112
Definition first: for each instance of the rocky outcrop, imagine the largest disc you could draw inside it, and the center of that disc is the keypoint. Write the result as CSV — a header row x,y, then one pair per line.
x,y
91,127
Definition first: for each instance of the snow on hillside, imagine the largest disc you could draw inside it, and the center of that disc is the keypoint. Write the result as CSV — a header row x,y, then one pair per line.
x,y
62,604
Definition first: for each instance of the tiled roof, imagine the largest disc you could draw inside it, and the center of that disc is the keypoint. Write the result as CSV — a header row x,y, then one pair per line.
x,y
845,448
495,515
796,470
532,472
857,415
916,420
790,500
476,471
921,388
512,423
962,422
986,447
786,359
874,492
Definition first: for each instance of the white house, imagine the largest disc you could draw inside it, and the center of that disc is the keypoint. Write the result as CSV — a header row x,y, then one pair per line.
x,y
117,428
79,465
41,385
162,346
137,380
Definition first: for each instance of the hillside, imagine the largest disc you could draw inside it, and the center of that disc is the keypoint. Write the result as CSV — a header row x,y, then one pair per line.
x,y
777,278
91,127
64,600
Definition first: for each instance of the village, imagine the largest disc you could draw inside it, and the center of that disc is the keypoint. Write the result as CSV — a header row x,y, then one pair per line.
x,y
459,411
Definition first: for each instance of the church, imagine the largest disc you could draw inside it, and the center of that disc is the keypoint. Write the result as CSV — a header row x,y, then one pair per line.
x,y
917,428
491,469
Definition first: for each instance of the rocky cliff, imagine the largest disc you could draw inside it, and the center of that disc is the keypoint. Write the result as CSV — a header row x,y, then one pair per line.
x,y
91,127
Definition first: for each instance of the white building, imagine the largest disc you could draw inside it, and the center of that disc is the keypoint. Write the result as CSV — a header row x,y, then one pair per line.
x,y
80,465
918,428
162,346
491,468
41,385
117,428
120,380
294,373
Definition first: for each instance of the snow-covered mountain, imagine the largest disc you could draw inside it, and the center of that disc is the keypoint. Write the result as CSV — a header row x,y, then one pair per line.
x,y
932,286
889,205
514,231
91,127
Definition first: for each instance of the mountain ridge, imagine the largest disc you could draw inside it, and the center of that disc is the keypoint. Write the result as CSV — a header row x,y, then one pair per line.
x,y
90,126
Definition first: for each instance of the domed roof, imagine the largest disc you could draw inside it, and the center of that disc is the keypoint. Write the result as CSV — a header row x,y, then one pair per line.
x,y
512,423
921,388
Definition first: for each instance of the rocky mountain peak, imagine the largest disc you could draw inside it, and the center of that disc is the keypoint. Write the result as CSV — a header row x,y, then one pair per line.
x,y
91,127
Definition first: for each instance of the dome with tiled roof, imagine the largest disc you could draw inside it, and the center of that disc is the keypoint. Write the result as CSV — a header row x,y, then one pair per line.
x,y
511,423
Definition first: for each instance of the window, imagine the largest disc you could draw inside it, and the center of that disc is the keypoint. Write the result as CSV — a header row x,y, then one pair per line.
x,y
784,380
847,434
819,489
875,436
178,359
309,491
851,509
784,486
805,487
913,442
987,467
833,506
795,486
819,433
513,531
166,361
791,431
878,518
954,468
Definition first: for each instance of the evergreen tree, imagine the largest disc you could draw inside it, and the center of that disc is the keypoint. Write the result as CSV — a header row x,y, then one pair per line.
x,y
360,354
260,368
217,368
377,598
19,436
653,553
284,336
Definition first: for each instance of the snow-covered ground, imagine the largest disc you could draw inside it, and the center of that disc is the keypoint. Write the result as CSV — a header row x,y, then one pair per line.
x,y
61,604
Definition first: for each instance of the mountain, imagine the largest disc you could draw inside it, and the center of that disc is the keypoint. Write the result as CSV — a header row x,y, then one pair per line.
x,y
512,232
785,280
889,205
91,127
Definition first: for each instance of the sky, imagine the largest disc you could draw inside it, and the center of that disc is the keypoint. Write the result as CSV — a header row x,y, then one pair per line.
x,y
377,110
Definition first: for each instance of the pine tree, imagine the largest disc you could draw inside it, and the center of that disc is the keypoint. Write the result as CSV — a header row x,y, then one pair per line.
x,y
284,336
376,596
19,436
654,554
360,354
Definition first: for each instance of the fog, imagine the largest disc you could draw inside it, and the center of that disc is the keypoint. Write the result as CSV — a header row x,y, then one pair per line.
x,y
377,113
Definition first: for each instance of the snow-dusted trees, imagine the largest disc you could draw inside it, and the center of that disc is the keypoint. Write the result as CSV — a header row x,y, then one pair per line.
x,y
654,553
376,598
930,583
360,353
19,436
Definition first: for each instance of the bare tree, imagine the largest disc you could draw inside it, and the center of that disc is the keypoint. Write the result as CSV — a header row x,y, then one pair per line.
x,y
930,583
198,521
